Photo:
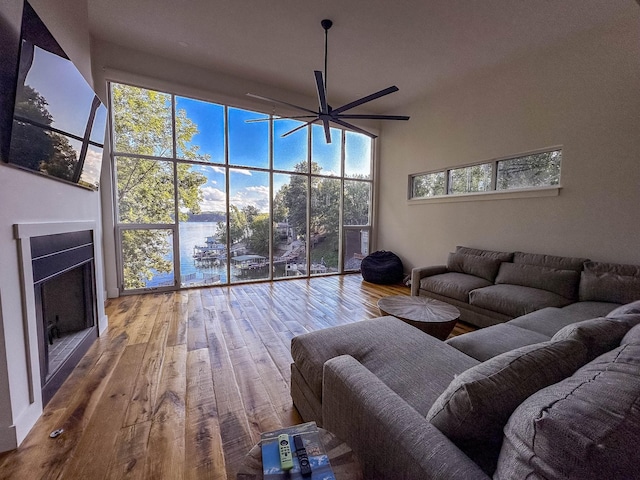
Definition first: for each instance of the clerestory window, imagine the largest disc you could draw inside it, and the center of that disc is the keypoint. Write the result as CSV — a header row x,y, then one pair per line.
x,y
530,171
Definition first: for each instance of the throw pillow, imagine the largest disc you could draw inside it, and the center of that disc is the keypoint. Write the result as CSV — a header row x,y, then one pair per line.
x,y
599,335
475,407
586,427
475,265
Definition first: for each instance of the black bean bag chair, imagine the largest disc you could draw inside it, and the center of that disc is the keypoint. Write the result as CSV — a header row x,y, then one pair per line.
x,y
382,267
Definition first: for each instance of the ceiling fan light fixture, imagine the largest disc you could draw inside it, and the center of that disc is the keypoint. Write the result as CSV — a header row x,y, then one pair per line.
x,y
327,115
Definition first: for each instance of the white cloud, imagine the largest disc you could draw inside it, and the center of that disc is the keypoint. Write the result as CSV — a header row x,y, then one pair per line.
x,y
213,200
257,196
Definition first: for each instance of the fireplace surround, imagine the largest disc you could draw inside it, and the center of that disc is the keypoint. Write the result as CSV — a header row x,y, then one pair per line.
x,y
34,396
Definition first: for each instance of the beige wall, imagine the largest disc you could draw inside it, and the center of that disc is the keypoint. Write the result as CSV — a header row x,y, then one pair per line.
x,y
584,96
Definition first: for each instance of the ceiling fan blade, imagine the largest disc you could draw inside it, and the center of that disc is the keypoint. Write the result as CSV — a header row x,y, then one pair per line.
x,y
266,99
353,127
298,128
366,99
327,130
375,117
322,94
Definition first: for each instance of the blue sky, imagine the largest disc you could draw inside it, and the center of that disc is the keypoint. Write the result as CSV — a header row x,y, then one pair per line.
x,y
249,147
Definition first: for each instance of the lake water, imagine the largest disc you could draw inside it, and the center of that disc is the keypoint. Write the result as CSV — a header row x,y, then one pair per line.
x,y
192,234
200,273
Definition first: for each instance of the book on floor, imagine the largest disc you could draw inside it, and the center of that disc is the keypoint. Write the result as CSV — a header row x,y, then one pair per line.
x,y
318,458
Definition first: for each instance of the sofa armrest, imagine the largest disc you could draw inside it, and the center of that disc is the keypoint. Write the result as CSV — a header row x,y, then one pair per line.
x,y
389,437
421,272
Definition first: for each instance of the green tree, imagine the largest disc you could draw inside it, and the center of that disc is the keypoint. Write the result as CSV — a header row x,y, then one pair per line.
x,y
238,225
258,242
280,210
356,202
537,170
295,196
145,187
429,185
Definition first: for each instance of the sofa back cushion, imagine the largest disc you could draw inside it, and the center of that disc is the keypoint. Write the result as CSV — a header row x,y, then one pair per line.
x,y
550,261
478,252
610,282
561,282
478,266
476,405
586,427
599,335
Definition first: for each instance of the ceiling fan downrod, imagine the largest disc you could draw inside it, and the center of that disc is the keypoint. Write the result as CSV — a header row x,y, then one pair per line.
x,y
325,114
326,24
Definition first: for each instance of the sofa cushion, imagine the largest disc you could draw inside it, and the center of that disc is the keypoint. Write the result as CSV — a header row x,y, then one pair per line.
x,y
391,349
585,427
629,308
502,256
632,336
550,261
473,410
599,335
453,284
488,342
547,321
562,282
610,282
586,310
515,300
483,267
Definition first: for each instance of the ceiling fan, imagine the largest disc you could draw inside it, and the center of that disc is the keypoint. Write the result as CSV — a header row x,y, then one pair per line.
x,y
326,113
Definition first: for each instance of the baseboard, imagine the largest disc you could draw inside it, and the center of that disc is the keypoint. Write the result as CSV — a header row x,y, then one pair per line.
x,y
103,323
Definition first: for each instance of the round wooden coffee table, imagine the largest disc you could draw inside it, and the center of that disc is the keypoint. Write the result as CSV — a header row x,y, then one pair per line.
x,y
344,463
428,314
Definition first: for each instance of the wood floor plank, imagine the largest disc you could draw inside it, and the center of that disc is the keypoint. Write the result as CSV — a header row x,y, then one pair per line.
x,y
144,395
178,327
92,456
182,383
203,443
196,337
166,446
131,453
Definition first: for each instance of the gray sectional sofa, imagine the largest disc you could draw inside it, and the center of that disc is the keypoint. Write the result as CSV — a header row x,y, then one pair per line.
x,y
537,397
490,287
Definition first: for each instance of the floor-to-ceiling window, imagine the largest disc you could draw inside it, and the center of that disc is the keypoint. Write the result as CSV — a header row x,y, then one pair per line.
x,y
212,194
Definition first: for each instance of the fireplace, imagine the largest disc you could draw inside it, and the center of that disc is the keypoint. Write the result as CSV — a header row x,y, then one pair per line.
x,y
61,300
64,293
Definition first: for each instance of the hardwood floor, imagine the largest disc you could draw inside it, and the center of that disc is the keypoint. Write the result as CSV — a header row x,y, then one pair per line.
x,y
182,383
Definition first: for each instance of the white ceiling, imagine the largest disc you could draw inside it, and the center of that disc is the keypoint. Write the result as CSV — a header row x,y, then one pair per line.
x,y
414,44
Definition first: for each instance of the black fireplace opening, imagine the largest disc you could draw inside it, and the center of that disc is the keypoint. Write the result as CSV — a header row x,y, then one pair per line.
x,y
64,286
